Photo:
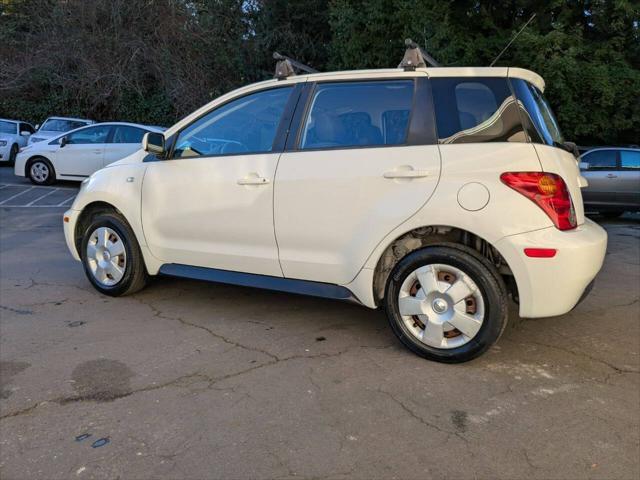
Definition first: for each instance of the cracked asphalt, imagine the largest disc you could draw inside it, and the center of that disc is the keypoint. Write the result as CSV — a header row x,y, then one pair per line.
x,y
195,380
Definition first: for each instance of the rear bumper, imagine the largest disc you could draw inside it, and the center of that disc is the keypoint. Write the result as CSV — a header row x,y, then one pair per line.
x,y
553,286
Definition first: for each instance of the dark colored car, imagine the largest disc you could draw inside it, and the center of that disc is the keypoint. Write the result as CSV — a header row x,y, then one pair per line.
x,y
614,180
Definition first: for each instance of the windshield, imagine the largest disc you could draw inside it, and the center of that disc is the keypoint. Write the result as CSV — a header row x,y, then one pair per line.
x,y
7,127
541,122
59,125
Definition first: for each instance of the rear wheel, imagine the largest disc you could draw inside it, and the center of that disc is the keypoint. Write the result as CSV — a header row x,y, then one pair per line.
x,y
13,154
111,256
41,172
446,303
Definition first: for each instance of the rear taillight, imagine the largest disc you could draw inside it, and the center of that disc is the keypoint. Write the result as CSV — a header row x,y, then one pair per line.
x,y
548,191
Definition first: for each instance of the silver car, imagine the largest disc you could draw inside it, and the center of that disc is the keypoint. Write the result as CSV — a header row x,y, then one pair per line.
x,y
614,180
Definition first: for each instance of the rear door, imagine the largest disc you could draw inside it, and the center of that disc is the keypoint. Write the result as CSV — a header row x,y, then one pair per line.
x,y
602,174
358,163
83,152
629,178
124,141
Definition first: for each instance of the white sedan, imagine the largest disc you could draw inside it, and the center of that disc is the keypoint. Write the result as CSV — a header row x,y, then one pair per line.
x,y
13,136
77,154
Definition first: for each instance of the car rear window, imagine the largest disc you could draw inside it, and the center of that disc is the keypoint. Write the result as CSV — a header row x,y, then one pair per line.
x,y
539,120
349,114
471,110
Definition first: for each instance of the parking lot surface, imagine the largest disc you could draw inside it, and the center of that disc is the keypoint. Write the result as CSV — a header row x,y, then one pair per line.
x,y
195,380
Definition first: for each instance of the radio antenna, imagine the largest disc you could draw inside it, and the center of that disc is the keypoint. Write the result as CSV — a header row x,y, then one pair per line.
x,y
512,40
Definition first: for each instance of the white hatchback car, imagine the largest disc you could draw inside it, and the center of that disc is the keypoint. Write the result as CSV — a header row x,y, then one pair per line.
x,y
77,154
54,126
13,136
434,193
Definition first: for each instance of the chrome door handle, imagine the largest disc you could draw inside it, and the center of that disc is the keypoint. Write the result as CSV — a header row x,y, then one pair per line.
x,y
406,174
97,152
253,181
611,175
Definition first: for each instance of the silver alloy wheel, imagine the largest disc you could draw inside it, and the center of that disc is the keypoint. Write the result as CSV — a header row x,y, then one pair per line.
x,y
40,172
441,306
106,256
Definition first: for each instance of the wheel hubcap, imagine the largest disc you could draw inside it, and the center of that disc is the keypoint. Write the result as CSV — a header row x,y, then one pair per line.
x,y
106,256
39,171
441,306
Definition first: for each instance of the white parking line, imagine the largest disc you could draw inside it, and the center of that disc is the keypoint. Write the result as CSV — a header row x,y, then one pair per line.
x,y
61,204
4,185
41,197
16,195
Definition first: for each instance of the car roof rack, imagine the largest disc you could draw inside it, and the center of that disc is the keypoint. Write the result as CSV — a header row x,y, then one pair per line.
x,y
416,57
286,67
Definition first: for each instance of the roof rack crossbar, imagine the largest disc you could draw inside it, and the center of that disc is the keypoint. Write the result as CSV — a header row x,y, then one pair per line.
x,y
416,57
286,67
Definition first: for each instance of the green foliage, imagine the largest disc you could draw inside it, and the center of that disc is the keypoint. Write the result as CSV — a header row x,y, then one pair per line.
x,y
153,62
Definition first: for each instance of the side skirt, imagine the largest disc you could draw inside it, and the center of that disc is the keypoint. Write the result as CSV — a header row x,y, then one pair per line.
x,y
290,285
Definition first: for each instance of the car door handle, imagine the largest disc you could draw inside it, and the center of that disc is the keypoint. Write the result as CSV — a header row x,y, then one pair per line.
x,y
611,175
97,152
253,180
406,174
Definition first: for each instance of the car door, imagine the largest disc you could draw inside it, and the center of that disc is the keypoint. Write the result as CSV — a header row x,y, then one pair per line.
x,y
602,174
82,152
124,141
210,204
356,170
629,179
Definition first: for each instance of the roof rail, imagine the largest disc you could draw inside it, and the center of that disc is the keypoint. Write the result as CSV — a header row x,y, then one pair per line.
x,y
416,57
286,67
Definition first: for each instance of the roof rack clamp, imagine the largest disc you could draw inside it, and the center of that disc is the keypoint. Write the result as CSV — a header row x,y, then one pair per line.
x,y
415,57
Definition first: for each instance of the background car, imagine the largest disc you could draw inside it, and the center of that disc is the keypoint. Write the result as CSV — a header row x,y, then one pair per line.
x,y
14,135
614,180
77,154
54,126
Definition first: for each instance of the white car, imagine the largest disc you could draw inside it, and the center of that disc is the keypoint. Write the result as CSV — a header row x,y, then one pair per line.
x,y
77,154
435,193
54,126
13,136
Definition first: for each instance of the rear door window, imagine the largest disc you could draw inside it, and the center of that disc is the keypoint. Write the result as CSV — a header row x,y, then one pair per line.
x,y
471,110
601,159
127,134
365,114
629,160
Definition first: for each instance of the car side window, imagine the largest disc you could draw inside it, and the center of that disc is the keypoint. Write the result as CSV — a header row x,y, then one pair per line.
x,y
127,134
349,114
601,159
629,160
90,135
245,125
25,127
472,110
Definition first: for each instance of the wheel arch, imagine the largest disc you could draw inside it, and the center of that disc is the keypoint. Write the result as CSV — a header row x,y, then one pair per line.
x,y
31,159
432,235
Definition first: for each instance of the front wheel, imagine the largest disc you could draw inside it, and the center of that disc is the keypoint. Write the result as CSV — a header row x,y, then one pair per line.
x,y
111,256
446,304
13,154
41,172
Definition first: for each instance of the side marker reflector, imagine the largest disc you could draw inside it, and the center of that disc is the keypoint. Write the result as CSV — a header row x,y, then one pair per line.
x,y
540,252
65,219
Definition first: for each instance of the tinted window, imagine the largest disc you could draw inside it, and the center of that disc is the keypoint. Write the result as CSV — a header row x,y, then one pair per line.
x,y
25,127
538,117
471,110
629,160
125,134
601,159
245,125
7,127
58,125
89,135
358,114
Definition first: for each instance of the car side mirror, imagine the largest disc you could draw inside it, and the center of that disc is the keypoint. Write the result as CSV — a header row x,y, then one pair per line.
x,y
63,141
37,126
154,143
584,165
25,133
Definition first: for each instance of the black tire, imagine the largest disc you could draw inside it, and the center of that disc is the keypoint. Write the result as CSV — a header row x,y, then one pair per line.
x,y
135,275
490,285
612,213
51,177
13,154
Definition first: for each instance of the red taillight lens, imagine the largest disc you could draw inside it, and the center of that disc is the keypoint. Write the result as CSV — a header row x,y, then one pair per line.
x,y
548,191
